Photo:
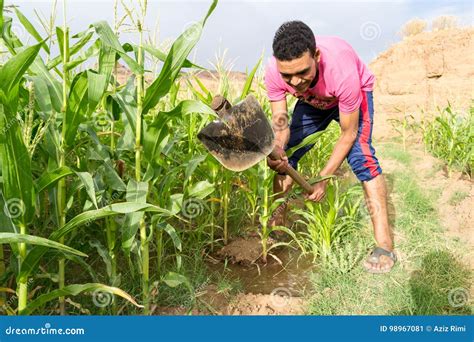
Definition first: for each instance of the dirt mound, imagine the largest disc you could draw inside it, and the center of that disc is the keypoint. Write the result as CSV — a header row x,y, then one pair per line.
x,y
279,302
424,71
272,304
245,251
213,302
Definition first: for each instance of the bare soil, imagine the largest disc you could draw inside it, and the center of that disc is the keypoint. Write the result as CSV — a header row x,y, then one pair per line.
x,y
243,250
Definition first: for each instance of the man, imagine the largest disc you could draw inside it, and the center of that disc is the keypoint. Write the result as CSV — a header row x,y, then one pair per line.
x,y
331,83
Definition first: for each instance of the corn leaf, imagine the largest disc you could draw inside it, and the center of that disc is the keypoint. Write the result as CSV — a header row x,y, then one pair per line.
x,y
74,290
14,69
84,39
127,100
109,39
88,182
31,29
1,15
38,241
16,165
137,193
50,178
91,51
44,101
173,279
83,98
309,140
174,62
54,87
12,42
201,189
34,256
249,81
97,85
156,134
159,54
60,36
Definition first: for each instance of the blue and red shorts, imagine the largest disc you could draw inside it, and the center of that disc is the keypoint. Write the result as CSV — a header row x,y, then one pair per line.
x,y
307,120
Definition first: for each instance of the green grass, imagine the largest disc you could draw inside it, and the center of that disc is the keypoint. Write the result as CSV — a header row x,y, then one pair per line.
x,y
429,265
391,151
457,197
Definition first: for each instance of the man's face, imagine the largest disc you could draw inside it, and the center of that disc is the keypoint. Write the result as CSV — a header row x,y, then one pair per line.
x,y
300,72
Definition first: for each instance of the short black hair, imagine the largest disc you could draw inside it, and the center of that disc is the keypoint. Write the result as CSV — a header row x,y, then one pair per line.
x,y
292,40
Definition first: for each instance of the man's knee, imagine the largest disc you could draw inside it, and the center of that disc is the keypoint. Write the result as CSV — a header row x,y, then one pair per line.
x,y
365,166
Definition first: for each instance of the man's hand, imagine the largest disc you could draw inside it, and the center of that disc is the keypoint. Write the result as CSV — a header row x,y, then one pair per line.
x,y
319,190
281,164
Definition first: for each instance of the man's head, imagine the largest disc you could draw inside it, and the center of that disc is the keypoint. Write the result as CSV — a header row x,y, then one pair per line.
x,y
294,48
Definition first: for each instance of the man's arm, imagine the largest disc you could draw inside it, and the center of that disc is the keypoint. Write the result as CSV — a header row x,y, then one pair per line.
x,y
282,135
280,122
349,126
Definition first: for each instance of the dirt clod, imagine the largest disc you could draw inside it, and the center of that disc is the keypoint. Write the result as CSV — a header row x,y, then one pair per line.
x,y
243,250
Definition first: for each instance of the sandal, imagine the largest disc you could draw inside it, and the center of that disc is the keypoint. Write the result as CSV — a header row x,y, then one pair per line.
x,y
374,258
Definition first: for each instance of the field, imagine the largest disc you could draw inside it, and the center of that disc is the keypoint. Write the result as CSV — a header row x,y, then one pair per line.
x,y
111,205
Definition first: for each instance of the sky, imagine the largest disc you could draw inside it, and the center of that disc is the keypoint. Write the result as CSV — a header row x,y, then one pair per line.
x,y
244,29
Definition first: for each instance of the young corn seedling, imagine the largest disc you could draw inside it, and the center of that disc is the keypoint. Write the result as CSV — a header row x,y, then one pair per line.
x,y
403,126
450,137
326,222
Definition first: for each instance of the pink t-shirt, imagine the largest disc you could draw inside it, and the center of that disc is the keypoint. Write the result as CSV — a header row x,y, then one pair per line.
x,y
342,77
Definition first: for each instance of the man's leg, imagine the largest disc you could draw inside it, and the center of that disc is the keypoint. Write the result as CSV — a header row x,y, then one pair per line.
x,y
366,167
375,192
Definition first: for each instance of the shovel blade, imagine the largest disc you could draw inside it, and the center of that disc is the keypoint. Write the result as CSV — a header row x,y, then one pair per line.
x,y
242,138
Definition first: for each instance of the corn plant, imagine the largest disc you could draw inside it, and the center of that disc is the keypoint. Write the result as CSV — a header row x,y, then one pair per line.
x,y
403,126
80,167
450,137
327,222
19,189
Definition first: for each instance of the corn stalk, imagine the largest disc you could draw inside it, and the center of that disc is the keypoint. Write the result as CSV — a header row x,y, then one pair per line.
x,y
61,197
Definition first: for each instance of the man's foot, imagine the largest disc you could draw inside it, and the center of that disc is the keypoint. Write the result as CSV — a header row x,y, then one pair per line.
x,y
380,261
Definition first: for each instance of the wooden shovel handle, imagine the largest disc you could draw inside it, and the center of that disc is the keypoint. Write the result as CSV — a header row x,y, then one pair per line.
x,y
295,175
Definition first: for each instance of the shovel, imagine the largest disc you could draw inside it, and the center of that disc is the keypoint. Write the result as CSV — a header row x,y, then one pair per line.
x,y
243,137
